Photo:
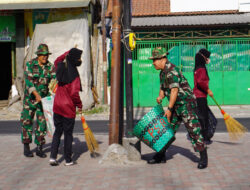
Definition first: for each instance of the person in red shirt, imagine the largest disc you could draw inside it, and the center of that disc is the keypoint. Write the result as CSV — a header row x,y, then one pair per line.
x,y
66,100
201,89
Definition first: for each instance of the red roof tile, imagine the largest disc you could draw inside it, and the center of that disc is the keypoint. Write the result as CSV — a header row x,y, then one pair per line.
x,y
145,7
142,8
150,7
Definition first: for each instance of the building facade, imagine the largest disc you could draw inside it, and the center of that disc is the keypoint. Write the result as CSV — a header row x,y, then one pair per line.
x,y
183,27
18,20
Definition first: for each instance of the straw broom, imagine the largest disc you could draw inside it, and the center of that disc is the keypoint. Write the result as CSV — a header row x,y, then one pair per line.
x,y
234,128
90,139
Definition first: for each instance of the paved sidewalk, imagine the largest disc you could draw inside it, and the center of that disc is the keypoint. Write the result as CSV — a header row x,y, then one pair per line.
x,y
236,111
228,168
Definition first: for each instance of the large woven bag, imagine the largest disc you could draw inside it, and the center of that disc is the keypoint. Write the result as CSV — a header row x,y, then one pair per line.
x,y
154,130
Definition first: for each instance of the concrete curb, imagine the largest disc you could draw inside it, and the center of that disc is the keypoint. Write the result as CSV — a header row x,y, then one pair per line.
x,y
235,111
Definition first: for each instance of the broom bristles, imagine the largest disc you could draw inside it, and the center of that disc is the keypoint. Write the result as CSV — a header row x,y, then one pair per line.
x,y
90,139
234,128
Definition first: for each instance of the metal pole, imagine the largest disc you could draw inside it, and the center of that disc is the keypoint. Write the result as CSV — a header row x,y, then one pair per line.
x,y
121,101
104,52
131,143
128,68
115,73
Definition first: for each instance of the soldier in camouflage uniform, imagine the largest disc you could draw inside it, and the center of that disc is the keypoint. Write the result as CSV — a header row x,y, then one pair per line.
x,y
38,73
182,104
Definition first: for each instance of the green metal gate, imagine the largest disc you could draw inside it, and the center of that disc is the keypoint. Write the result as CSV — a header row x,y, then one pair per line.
x,y
229,69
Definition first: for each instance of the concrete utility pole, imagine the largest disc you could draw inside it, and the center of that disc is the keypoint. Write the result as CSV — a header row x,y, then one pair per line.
x,y
114,129
104,52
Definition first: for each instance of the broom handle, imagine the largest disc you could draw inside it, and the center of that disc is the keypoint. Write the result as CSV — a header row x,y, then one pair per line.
x,y
216,103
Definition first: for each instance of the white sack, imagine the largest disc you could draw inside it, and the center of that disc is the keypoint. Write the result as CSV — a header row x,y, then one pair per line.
x,y
47,103
61,37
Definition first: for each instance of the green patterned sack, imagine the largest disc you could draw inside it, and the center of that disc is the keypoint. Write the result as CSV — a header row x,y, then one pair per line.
x,y
154,130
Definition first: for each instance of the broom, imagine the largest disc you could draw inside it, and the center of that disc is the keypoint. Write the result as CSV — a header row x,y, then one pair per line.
x,y
234,128
90,139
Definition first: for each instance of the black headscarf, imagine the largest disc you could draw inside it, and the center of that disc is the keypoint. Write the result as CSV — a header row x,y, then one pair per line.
x,y
66,71
200,61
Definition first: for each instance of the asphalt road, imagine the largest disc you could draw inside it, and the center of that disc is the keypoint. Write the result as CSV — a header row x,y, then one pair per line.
x,y
101,126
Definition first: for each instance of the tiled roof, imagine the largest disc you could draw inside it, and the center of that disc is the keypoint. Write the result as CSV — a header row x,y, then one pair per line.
x,y
191,20
143,8
150,7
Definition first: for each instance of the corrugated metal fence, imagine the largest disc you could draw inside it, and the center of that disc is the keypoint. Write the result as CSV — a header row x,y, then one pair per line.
x,y
229,69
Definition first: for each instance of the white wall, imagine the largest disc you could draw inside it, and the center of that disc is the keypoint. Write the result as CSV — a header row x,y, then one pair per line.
x,y
203,5
244,5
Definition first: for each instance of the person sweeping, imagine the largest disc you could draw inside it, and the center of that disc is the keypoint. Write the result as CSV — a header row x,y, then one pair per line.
x,y
201,90
66,100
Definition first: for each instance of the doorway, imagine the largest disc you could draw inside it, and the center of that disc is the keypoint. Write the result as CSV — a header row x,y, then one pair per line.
x,y
5,70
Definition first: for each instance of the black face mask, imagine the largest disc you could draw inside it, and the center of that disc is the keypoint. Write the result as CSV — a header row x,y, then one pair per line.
x,y
78,63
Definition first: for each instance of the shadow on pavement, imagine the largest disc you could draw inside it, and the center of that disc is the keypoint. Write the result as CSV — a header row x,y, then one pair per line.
x,y
172,151
229,143
78,148
46,148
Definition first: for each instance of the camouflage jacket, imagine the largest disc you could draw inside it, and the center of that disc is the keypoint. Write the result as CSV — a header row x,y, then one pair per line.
x,y
37,78
172,77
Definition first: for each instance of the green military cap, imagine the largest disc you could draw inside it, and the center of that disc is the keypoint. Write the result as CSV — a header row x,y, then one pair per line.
x,y
158,53
42,49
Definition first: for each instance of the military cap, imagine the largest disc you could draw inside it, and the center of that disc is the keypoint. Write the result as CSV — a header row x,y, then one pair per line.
x,y
158,53
42,49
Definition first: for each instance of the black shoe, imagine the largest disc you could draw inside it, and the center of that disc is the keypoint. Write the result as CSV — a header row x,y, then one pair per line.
x,y
53,162
39,151
208,141
27,151
158,158
203,159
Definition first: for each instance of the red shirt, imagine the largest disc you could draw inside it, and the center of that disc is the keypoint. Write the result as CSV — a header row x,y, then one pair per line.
x,y
67,96
201,81
67,99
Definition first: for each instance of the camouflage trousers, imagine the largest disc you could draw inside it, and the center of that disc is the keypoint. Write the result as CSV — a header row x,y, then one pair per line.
x,y
30,108
187,114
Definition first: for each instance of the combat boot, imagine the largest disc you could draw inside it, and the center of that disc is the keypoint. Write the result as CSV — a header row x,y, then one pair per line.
x,y
27,151
39,151
203,159
158,158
